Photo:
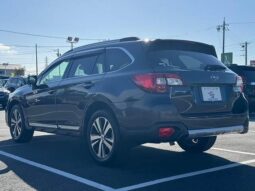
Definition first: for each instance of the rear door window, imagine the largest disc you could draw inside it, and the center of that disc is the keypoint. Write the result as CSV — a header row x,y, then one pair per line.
x,y
87,65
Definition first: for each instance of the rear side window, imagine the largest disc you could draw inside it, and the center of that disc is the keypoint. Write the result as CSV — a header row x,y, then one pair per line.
x,y
117,59
182,60
83,66
87,65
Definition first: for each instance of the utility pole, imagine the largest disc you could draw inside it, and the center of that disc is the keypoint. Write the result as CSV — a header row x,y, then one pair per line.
x,y
5,65
36,59
223,27
58,53
245,47
46,62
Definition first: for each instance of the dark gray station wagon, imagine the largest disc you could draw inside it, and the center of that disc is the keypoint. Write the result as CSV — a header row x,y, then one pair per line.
x,y
121,93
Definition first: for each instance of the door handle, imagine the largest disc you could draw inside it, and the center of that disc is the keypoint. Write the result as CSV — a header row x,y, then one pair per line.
x,y
51,91
36,100
87,84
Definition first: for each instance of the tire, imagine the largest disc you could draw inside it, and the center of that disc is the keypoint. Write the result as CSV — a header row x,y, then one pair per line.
x,y
197,145
17,125
103,138
3,106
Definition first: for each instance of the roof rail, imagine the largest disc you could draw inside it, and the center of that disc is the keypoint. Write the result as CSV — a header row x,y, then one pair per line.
x,y
129,39
105,43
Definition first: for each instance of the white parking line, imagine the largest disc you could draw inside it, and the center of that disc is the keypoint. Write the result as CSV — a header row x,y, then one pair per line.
x,y
186,175
233,151
251,131
58,172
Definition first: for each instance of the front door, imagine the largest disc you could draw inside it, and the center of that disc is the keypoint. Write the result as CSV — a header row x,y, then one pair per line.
x,y
41,102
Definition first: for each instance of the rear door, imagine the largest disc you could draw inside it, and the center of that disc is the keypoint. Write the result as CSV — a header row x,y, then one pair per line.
x,y
207,83
74,93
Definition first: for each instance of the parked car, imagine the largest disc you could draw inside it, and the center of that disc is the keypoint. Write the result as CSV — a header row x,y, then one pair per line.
x,y
15,82
248,75
4,94
126,92
3,82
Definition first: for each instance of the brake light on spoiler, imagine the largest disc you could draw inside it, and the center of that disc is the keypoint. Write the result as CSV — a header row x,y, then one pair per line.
x,y
157,82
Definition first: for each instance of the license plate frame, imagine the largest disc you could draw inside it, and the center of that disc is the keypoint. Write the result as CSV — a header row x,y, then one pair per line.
x,y
211,94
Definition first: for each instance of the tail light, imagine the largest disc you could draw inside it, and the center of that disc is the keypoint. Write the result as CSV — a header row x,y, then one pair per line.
x,y
239,84
165,132
157,82
244,80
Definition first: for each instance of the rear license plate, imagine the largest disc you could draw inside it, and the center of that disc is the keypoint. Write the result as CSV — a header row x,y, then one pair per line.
x,y
211,94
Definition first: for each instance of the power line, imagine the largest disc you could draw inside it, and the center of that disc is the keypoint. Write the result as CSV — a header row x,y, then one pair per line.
x,y
30,34
46,36
39,46
242,23
29,53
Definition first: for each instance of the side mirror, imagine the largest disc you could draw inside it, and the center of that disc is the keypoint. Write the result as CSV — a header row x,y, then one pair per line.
x,y
31,80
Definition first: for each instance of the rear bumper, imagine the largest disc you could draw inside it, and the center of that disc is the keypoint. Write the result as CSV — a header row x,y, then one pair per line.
x,y
215,131
141,120
224,125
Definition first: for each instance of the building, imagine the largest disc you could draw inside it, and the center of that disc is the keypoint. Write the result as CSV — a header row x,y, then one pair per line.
x,y
11,69
252,63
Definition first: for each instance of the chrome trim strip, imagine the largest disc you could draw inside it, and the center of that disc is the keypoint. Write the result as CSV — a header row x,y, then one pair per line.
x,y
69,127
127,53
215,131
43,125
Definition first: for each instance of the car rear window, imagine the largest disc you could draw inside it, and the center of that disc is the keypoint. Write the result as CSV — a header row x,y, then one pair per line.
x,y
182,60
247,72
249,75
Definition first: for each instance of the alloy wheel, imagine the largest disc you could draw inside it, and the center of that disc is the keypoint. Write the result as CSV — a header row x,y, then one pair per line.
x,y
16,123
102,138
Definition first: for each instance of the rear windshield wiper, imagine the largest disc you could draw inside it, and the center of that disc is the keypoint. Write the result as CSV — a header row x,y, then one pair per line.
x,y
210,67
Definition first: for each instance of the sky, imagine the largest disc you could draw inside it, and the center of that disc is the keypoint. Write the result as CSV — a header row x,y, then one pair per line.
x,y
95,20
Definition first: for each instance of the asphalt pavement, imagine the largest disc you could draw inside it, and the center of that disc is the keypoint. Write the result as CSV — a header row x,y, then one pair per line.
x,y
52,162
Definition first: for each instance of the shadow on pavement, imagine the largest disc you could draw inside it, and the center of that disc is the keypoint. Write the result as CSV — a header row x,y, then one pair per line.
x,y
139,165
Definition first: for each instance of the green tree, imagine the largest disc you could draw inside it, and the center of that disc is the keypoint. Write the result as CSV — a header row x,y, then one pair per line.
x,y
19,71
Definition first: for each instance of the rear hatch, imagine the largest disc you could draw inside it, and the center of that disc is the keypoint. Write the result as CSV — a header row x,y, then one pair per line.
x,y
207,86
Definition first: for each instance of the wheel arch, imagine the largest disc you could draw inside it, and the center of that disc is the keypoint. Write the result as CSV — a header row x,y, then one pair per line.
x,y
93,107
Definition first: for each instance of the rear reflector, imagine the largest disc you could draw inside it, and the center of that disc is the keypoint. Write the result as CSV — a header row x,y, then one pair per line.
x,y
166,132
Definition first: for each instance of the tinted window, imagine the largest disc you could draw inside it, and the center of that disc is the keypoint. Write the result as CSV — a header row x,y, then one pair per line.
x,y
54,74
247,72
249,76
117,59
83,66
183,60
99,67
